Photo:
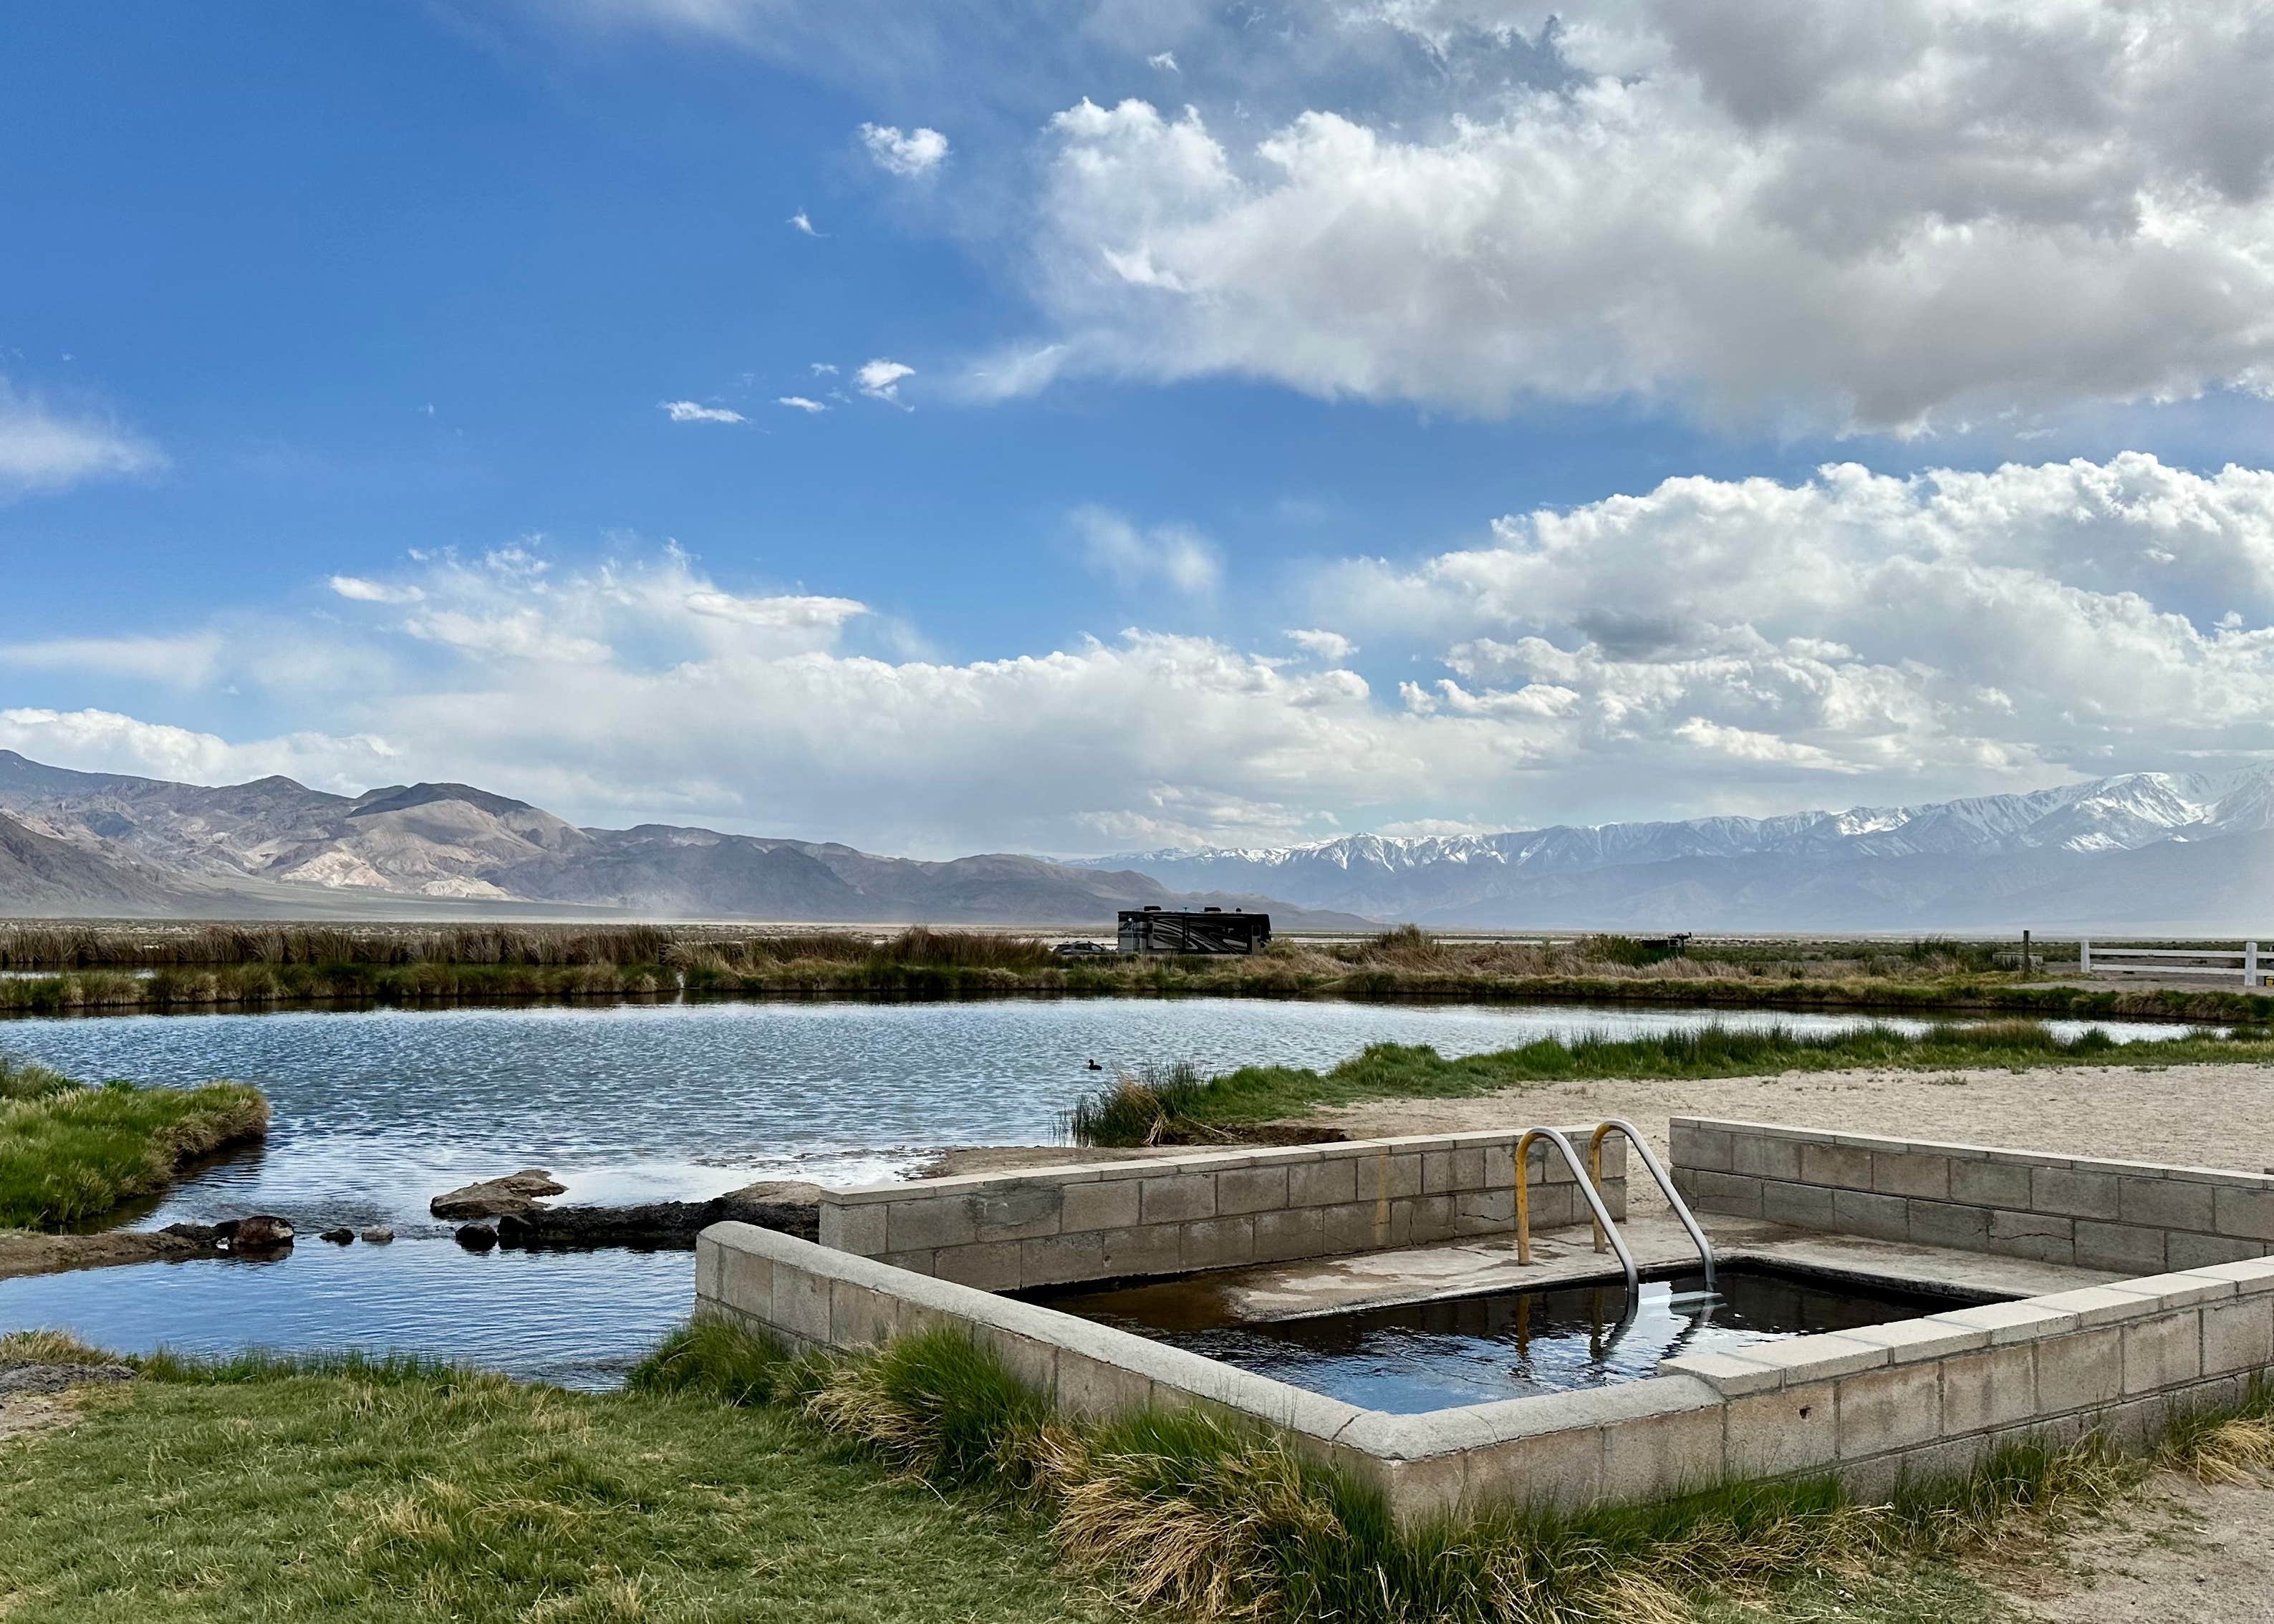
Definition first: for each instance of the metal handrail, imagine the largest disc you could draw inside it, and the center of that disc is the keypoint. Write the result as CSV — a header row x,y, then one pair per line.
x,y
1604,1226
1673,1196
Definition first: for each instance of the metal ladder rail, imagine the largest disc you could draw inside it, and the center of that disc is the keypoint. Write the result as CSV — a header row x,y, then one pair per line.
x,y
1603,1225
1666,1184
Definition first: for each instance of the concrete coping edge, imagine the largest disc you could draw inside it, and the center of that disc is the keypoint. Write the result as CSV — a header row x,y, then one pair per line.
x,y
2008,1155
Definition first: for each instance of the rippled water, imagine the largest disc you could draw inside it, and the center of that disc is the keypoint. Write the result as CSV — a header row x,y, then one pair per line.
x,y
375,1113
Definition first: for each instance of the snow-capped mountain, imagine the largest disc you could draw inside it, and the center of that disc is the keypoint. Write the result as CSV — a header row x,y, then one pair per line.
x,y
1949,863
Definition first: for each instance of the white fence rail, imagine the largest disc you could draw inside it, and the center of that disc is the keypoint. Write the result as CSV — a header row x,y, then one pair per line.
x,y
2218,963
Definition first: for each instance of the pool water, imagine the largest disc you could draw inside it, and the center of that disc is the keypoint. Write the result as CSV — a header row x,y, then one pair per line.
x,y
1510,1345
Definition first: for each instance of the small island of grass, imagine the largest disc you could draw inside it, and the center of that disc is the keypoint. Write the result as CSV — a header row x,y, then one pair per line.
x,y
71,1152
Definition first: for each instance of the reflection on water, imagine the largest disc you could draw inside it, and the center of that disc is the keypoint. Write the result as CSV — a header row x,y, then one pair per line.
x,y
377,1112
577,1318
1479,1350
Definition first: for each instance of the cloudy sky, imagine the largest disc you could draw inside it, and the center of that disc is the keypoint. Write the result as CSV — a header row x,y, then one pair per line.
x,y
1087,426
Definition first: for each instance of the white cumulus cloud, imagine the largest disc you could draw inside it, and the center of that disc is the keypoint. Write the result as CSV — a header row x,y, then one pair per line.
x,y
1331,647
917,153
1834,215
880,379
801,403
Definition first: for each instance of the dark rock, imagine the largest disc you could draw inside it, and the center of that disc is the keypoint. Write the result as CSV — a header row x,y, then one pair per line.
x,y
262,1232
202,1234
492,1197
341,1236
478,1237
19,1379
378,1234
666,1226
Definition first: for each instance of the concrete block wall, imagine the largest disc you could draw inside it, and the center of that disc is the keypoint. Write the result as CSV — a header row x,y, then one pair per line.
x,y
1872,1405
1211,1210
2132,1217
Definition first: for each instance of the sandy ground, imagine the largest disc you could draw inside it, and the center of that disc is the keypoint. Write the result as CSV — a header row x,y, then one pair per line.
x,y
35,1412
2186,1550
2197,1116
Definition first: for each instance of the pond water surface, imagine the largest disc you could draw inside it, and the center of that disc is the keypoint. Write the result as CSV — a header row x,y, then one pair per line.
x,y
377,1112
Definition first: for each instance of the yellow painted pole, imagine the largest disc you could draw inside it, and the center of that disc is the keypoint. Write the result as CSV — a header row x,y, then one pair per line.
x,y
1595,1172
1524,1198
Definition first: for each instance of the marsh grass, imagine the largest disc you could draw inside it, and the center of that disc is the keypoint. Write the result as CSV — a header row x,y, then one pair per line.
x,y
66,968
1206,1517
1178,1107
69,1154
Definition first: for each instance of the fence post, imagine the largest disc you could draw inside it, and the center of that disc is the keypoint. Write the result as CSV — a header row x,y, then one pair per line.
x,y
2025,952
2083,957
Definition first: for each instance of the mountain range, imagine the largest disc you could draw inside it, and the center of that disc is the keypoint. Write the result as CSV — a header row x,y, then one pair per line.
x,y
105,844
2140,851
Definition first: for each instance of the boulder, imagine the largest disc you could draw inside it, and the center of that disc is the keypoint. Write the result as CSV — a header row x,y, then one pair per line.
x,y
341,1236
492,1197
478,1237
666,1226
378,1234
261,1232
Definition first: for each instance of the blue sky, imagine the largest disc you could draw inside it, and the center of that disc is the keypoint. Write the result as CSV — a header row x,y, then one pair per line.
x,y
340,345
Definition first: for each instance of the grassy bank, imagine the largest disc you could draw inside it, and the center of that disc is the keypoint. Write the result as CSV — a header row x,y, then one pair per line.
x,y
70,1152
1180,1107
75,969
923,1484
389,1494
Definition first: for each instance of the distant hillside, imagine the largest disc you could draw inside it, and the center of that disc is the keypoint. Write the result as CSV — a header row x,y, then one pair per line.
x,y
2141,852
39,874
104,844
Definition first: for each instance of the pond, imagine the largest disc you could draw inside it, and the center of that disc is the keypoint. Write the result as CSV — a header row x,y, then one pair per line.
x,y
377,1112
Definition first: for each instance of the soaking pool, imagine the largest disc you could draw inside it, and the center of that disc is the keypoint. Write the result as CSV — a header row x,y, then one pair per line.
x,y
1445,1353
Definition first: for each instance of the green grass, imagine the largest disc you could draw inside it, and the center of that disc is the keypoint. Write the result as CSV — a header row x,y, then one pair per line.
x,y
1180,1107
397,1494
922,1483
69,1154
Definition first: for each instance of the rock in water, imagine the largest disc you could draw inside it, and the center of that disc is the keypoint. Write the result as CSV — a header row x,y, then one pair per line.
x,y
492,1198
261,1232
791,1209
478,1237
341,1236
379,1235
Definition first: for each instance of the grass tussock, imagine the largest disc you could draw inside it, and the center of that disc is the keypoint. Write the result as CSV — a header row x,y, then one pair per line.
x,y
1180,1107
69,1152
1206,1517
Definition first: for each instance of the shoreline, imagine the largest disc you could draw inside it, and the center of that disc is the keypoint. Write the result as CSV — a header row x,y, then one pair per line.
x,y
67,995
